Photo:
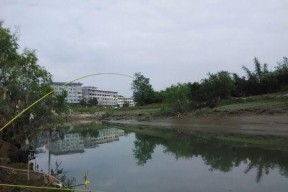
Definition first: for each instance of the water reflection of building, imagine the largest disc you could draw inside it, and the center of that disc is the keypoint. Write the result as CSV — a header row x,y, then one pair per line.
x,y
104,136
71,143
63,143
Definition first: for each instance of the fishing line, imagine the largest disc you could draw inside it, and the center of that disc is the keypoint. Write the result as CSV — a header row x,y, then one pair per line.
x,y
49,93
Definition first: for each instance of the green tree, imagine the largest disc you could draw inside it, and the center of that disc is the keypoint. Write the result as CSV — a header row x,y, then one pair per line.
x,y
93,101
83,102
216,87
158,96
178,97
143,92
22,81
282,74
125,104
196,95
58,101
259,81
240,89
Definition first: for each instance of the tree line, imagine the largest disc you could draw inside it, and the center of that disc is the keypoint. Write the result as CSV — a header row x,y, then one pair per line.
x,y
214,88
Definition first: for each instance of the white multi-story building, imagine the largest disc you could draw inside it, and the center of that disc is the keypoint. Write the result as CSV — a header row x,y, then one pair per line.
x,y
104,98
122,100
74,91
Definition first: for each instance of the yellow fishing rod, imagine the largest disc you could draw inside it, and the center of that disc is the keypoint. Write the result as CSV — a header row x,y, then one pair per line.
x,y
46,188
43,188
51,92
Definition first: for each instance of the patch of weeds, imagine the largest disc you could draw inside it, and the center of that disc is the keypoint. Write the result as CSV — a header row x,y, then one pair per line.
x,y
202,112
163,112
110,113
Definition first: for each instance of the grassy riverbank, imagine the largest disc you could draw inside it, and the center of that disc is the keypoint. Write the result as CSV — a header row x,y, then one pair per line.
x,y
270,104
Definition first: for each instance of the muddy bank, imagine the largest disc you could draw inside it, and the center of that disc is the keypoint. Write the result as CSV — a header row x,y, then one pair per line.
x,y
10,153
248,119
242,123
16,174
86,116
13,157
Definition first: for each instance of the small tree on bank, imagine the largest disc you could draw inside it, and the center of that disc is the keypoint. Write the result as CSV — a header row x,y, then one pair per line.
x,y
93,102
143,92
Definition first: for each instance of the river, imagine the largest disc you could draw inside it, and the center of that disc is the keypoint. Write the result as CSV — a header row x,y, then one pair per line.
x,y
120,160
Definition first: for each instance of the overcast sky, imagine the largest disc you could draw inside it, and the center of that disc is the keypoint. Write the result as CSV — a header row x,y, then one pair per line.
x,y
168,41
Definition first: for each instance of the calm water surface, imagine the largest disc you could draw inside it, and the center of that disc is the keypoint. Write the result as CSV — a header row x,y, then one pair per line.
x,y
120,162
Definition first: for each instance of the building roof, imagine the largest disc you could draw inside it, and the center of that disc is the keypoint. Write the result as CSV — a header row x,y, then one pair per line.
x,y
65,83
95,89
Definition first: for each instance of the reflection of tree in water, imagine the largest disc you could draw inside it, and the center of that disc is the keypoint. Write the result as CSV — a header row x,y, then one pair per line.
x,y
83,131
144,148
214,154
225,158
88,132
268,160
260,168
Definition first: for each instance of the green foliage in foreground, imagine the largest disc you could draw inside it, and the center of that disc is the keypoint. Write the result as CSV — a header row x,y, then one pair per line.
x,y
22,82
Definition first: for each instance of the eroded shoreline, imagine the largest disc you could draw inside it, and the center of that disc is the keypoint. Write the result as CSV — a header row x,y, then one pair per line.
x,y
255,124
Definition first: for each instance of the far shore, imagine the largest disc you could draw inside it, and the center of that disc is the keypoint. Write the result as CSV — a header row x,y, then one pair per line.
x,y
272,122
255,124
255,115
